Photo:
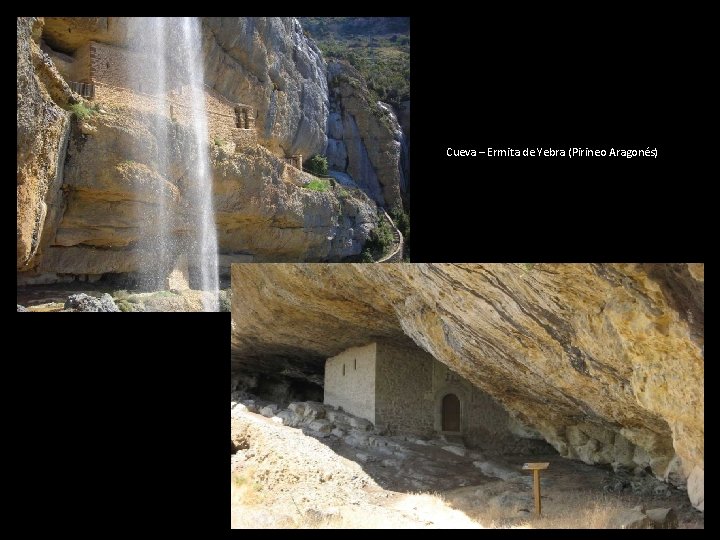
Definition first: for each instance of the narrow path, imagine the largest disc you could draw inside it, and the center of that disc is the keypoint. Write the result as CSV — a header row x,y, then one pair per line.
x,y
396,253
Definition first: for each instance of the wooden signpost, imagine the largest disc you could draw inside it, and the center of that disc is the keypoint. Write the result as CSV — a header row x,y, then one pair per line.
x,y
536,468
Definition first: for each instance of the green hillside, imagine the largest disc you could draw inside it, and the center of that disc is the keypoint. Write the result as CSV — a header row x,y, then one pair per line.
x,y
379,47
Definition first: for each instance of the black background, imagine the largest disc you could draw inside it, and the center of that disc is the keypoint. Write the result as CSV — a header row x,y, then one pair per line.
x,y
125,422
538,82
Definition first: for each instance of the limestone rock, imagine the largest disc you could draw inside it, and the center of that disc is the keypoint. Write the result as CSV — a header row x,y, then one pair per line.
x,y
360,424
238,410
314,410
269,410
321,426
67,34
615,352
264,62
251,406
696,488
297,408
84,302
268,63
288,418
366,140
42,134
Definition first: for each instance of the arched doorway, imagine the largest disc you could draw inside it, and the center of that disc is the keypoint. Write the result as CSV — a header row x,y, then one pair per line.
x,y
450,413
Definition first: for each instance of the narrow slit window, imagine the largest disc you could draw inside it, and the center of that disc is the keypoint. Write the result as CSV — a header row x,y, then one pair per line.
x,y
343,370
355,363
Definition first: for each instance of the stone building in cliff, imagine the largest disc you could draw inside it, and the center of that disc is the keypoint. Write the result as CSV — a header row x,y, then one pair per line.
x,y
408,391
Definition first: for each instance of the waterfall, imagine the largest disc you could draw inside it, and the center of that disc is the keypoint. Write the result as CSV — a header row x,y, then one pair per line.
x,y
176,219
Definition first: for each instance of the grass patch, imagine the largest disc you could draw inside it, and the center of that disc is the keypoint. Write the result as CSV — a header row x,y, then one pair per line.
x,y
81,111
218,141
378,47
245,490
562,509
128,306
318,184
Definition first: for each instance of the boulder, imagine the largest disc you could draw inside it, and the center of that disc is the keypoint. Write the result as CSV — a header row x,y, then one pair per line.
x,y
288,418
251,405
297,408
269,410
360,424
314,410
84,302
696,488
321,426
238,410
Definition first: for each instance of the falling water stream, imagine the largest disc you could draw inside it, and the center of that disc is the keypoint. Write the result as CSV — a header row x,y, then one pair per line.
x,y
177,224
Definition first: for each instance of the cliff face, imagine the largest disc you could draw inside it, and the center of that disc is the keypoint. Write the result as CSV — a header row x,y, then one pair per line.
x,y
268,63
605,361
364,138
42,133
265,62
88,210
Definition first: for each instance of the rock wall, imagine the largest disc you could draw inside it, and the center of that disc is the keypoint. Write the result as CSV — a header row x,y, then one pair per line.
x,y
350,380
404,379
267,62
42,134
364,138
605,361
400,388
90,210
484,422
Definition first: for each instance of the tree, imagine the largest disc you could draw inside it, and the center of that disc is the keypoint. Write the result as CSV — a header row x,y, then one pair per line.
x,y
318,165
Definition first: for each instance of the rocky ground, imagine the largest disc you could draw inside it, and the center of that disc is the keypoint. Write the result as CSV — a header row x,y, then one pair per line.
x,y
311,465
81,297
